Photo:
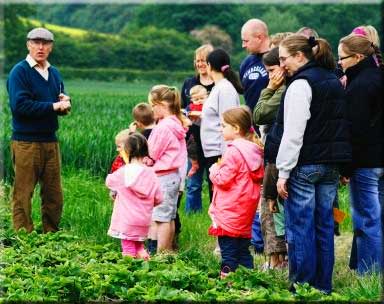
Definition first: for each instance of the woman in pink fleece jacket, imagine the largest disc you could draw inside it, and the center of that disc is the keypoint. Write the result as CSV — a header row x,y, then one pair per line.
x,y
237,180
168,150
138,191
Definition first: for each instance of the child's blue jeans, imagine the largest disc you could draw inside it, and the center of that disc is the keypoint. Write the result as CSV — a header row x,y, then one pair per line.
x,y
235,252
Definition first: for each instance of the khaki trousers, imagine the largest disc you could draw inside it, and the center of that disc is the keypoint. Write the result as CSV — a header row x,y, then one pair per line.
x,y
36,162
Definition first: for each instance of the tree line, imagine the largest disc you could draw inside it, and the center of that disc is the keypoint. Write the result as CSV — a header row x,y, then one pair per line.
x,y
163,37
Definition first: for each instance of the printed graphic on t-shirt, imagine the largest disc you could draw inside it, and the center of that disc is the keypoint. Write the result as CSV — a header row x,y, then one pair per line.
x,y
255,73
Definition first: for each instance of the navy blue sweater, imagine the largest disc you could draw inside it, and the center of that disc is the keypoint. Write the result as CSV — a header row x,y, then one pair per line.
x,y
31,98
254,78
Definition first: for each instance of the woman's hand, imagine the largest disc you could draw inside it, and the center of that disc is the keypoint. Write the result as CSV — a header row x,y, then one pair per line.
x,y
276,79
282,188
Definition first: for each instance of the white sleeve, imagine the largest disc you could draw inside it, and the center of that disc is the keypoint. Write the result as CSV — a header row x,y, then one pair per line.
x,y
297,103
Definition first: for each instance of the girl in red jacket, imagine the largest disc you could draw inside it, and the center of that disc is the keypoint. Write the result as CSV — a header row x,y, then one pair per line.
x,y
237,180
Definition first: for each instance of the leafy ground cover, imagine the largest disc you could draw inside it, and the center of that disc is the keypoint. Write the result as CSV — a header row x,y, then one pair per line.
x,y
81,263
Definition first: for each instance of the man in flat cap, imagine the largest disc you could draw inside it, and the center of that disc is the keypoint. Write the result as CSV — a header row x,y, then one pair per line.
x,y
36,97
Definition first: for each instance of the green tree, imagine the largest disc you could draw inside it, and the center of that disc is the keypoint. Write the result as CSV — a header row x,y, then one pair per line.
x,y
15,32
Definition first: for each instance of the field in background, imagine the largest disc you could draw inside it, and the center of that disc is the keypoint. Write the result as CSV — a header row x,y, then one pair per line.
x,y
100,110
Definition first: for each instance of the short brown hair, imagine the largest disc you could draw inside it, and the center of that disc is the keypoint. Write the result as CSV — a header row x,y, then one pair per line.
x,y
143,114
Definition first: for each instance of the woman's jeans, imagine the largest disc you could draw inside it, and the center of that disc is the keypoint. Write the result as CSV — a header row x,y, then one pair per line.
x,y
309,224
367,199
193,202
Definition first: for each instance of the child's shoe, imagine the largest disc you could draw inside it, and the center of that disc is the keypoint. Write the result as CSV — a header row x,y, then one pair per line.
x,y
224,272
143,254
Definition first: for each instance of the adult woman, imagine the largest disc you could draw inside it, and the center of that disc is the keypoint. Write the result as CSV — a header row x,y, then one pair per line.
x,y
311,136
364,94
224,95
194,183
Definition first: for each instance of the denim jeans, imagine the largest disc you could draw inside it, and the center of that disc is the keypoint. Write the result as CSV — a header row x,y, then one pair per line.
x,y
366,192
257,237
193,202
235,252
309,224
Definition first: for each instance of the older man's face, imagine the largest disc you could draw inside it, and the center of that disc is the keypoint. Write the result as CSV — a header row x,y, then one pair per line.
x,y
39,49
251,42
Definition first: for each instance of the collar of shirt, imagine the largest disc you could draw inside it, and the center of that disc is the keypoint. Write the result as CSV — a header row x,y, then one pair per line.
x,y
33,64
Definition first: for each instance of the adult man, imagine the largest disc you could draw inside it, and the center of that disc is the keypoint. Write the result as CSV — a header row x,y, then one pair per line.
x,y
36,97
253,75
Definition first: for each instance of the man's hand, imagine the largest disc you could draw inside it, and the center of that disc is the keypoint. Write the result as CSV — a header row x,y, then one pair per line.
x,y
63,105
282,188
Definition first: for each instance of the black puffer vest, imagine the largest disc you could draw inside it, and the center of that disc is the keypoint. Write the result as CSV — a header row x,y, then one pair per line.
x,y
326,136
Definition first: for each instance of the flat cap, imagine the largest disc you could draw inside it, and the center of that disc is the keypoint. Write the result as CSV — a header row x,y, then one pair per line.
x,y
40,33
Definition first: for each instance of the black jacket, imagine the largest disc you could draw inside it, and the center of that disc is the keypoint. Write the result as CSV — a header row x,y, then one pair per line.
x,y
364,95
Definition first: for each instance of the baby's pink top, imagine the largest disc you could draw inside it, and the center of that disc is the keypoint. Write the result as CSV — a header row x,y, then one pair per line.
x,y
167,145
237,181
138,191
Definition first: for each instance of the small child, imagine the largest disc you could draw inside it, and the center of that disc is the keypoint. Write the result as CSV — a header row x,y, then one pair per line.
x,y
167,148
144,119
237,181
198,95
138,191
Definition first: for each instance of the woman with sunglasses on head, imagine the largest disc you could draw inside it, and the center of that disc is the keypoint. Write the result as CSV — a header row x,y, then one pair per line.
x,y
309,139
362,63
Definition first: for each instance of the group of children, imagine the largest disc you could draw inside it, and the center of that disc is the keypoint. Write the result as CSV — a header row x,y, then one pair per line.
x,y
147,175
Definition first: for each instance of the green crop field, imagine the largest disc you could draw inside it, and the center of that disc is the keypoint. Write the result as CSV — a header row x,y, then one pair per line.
x,y
81,263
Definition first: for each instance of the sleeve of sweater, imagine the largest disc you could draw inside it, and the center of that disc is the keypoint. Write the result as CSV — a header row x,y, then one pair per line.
x,y
267,106
115,180
227,97
297,105
21,98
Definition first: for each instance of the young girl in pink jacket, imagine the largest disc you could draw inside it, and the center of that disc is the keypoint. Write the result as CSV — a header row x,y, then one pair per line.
x,y
138,191
236,179
167,149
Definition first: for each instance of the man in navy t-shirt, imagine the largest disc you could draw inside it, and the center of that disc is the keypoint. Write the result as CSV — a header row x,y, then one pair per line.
x,y
253,75
36,98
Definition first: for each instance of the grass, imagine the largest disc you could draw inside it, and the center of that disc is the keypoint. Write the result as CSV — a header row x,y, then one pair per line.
x,y
100,110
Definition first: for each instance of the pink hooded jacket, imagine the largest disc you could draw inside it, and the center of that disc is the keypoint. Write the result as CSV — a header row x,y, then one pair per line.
x,y
167,145
237,181
138,191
